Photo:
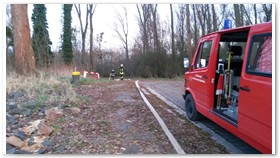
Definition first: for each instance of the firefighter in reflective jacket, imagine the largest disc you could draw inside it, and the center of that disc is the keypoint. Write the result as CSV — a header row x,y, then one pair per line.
x,y
121,68
112,75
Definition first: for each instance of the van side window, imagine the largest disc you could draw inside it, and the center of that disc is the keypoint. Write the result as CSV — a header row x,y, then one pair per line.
x,y
260,55
202,58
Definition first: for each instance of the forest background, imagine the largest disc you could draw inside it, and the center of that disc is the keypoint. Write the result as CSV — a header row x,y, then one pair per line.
x,y
151,40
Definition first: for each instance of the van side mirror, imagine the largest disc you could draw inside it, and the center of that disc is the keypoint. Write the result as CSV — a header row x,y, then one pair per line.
x,y
186,63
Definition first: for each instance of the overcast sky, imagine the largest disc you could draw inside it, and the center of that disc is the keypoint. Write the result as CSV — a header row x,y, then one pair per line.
x,y
103,21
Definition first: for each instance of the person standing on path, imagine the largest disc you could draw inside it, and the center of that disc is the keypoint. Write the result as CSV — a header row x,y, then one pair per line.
x,y
122,69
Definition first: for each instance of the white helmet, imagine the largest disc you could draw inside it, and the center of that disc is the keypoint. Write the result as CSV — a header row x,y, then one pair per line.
x,y
121,65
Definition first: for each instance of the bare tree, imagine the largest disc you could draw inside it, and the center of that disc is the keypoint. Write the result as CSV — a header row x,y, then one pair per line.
x,y
144,15
247,15
91,12
201,13
155,30
123,32
25,62
83,30
199,19
181,15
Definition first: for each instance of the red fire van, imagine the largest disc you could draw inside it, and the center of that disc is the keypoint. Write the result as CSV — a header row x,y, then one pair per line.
x,y
229,81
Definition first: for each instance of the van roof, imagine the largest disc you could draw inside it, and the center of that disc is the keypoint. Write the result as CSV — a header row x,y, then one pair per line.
x,y
239,28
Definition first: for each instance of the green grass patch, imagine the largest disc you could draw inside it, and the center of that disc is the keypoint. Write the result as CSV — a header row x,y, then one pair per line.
x,y
104,126
83,99
61,120
40,103
45,89
56,127
103,123
89,81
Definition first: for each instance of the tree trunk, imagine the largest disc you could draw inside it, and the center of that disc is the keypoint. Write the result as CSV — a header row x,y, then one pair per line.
x,y
255,13
214,16
91,41
209,26
267,11
91,12
242,10
181,15
83,31
201,17
126,41
189,33
172,42
127,56
156,43
25,62
237,15
195,25
172,34
143,21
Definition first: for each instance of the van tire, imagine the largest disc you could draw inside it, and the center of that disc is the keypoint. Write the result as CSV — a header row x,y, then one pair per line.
x,y
190,107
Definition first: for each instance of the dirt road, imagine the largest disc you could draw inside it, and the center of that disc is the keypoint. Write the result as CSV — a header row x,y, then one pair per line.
x,y
117,121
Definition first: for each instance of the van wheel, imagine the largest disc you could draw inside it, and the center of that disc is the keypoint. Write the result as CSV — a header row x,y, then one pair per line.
x,y
191,111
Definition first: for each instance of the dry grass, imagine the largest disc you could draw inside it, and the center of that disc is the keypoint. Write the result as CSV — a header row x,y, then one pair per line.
x,y
46,87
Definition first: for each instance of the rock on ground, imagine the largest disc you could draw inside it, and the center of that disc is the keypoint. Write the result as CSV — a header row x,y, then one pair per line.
x,y
44,129
15,141
53,114
75,110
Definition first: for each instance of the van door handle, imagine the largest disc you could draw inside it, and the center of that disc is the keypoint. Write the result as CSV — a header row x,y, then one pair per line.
x,y
205,77
245,89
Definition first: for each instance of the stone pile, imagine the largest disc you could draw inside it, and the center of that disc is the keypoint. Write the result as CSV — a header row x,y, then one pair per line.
x,y
27,129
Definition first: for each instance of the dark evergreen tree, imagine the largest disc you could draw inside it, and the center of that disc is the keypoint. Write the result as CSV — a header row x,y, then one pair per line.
x,y
67,34
40,38
9,36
